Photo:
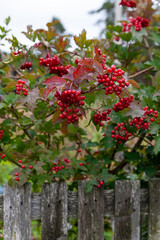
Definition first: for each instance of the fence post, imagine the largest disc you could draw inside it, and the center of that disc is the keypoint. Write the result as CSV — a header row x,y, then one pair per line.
x,y
17,212
90,213
54,211
154,209
127,210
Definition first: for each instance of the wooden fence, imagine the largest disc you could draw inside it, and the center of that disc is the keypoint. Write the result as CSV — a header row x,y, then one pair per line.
x,y
127,204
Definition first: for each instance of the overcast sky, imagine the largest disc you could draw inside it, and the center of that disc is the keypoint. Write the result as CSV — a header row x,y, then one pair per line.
x,y
73,14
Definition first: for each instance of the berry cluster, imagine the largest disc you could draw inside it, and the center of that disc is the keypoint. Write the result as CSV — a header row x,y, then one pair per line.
x,y
140,123
100,184
130,3
57,168
3,156
69,101
144,121
20,88
99,117
123,103
138,23
1,133
54,65
120,133
113,80
27,65
102,58
37,44
17,53
116,38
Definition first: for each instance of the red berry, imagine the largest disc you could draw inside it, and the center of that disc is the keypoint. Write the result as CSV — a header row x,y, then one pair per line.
x,y
16,174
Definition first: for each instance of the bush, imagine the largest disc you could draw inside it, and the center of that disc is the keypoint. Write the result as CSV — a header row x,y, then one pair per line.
x,y
91,113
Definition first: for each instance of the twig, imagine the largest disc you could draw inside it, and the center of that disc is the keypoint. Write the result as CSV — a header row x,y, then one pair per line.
x,y
138,73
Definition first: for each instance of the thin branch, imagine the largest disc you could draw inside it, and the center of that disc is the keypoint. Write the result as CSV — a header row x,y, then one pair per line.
x,y
143,71
92,90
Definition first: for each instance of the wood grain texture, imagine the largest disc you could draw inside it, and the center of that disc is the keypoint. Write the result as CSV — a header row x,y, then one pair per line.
x,y
73,204
154,209
17,213
90,213
127,210
54,209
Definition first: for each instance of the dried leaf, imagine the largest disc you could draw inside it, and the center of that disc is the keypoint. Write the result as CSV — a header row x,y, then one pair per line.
x,y
31,98
56,114
135,110
64,128
134,83
11,84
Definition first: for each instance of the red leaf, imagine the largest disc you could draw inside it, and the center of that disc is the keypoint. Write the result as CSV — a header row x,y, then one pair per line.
x,y
54,80
82,73
48,90
52,83
92,64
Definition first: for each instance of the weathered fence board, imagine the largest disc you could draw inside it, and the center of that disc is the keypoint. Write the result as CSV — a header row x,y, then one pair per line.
x,y
127,210
90,213
54,211
154,209
17,213
73,204
128,205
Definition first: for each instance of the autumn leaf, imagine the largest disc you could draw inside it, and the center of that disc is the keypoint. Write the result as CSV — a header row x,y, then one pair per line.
x,y
134,83
92,64
64,128
52,83
82,41
11,84
135,110
56,114
31,98
61,44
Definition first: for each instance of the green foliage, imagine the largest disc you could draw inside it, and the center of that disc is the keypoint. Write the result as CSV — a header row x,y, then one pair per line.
x,y
38,131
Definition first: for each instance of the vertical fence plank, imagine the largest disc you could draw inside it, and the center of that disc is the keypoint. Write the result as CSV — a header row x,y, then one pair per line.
x,y
127,210
90,213
154,209
54,208
17,212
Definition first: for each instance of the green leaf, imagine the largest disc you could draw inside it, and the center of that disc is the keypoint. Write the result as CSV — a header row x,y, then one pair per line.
x,y
90,98
115,28
2,105
155,37
82,41
109,35
126,36
154,128
138,35
7,20
11,98
157,145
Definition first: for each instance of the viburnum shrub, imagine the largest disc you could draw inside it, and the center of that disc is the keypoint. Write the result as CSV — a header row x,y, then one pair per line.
x,y
89,113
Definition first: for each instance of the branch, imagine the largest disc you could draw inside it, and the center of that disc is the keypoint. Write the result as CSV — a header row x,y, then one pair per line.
x,y
24,129
138,73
